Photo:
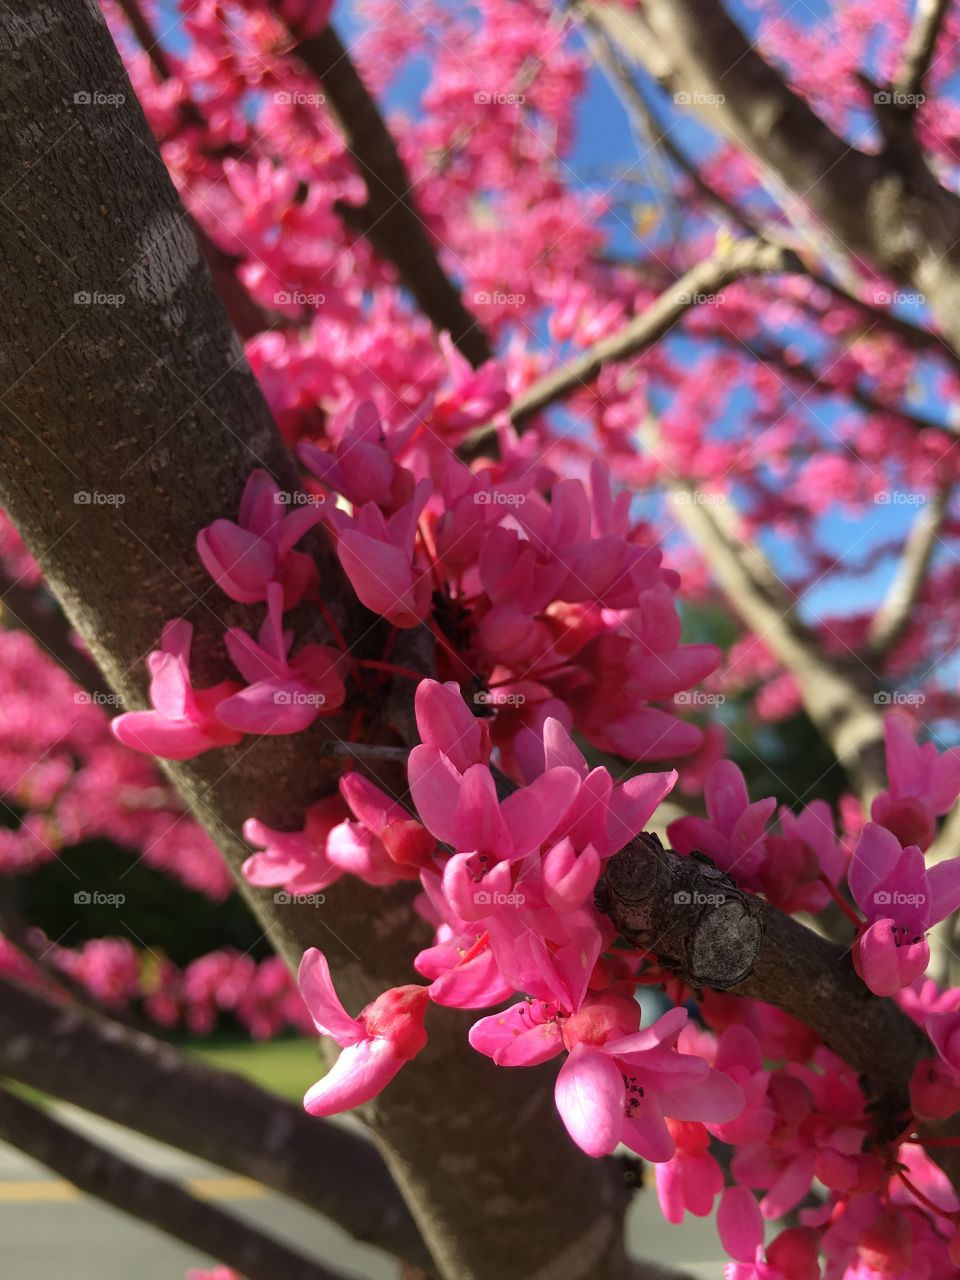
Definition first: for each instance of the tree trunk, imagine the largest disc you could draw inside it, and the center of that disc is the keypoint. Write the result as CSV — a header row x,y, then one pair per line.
x,y
147,406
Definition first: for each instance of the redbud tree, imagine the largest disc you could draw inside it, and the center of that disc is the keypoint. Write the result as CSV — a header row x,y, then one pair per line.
x,y
379,471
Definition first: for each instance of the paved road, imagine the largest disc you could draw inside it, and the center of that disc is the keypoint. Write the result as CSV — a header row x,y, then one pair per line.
x,y
48,1231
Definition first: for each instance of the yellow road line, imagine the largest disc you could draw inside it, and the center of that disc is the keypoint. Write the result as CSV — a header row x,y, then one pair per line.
x,y
54,1190
37,1191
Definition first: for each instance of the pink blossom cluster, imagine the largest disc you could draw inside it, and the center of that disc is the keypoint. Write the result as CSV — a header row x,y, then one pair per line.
x,y
196,998
64,779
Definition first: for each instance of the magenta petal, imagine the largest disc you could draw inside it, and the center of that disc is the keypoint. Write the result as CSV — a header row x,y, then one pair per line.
x,y
473,984
359,1074
269,707
446,722
515,1038
150,733
589,1097
876,854
943,884
478,823
435,787
534,811
328,1014
740,1224
714,1100
633,804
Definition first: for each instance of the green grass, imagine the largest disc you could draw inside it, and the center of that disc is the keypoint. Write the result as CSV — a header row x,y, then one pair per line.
x,y
286,1067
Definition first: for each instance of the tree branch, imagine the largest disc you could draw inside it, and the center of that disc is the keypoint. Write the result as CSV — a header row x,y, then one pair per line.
x,y
153,1199
918,52
864,200
713,934
838,697
892,617
389,219
744,258
200,1109
151,404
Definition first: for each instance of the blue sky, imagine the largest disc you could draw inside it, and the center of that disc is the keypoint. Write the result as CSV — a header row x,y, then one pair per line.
x,y
604,146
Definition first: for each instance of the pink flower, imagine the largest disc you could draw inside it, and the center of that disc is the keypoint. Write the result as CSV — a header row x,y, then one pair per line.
x,y
388,1033
923,785
618,1084
296,860
901,898
734,832
244,558
377,554
184,721
361,465
284,695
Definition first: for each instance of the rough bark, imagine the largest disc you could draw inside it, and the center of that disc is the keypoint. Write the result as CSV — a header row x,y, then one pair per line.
x,y
153,1199
200,1109
713,934
887,206
152,400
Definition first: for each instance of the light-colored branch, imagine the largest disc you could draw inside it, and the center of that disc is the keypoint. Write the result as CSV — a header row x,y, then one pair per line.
x,y
837,696
893,615
862,200
918,52
704,281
